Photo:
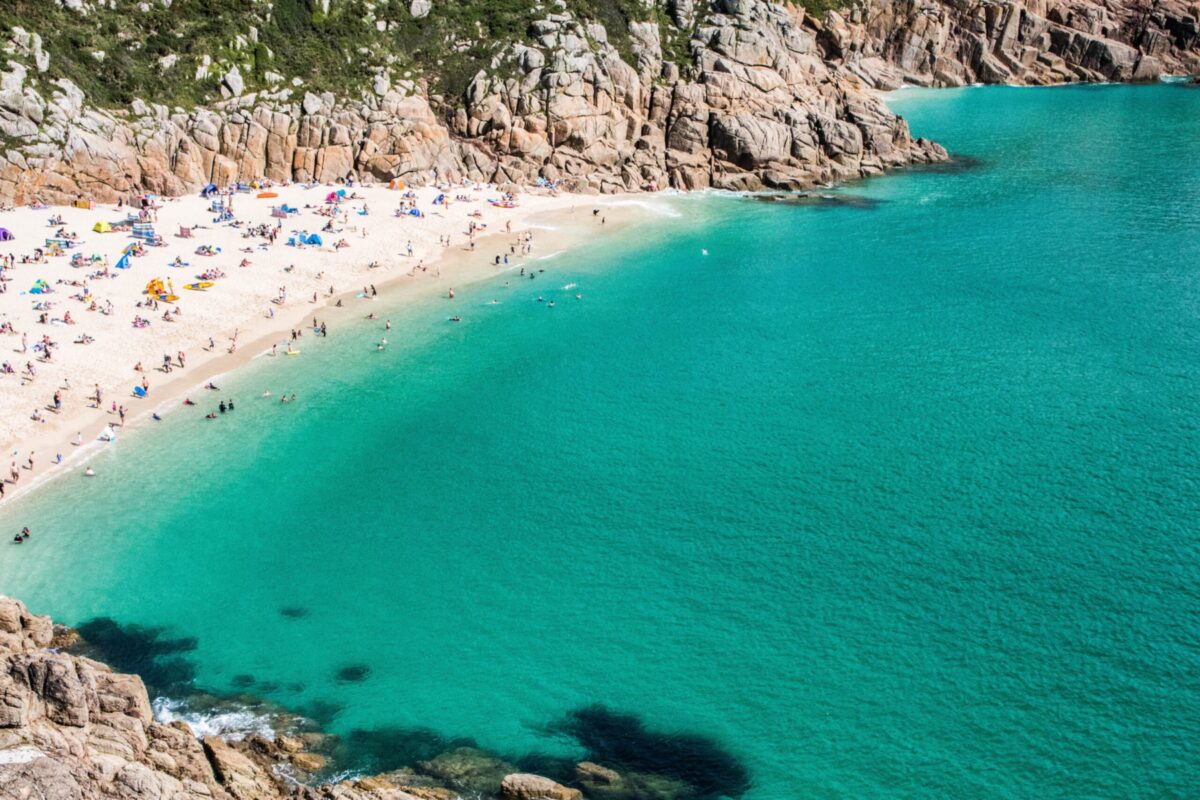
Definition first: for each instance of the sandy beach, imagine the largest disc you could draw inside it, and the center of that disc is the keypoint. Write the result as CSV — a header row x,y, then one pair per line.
x,y
102,323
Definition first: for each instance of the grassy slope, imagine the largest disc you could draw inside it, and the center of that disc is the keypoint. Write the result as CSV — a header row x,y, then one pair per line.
x,y
339,51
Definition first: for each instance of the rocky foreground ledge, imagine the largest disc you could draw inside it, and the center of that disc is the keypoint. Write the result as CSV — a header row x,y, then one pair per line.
x,y
72,728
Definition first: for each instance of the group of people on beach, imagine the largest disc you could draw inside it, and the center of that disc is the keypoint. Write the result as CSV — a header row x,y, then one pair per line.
x,y
164,306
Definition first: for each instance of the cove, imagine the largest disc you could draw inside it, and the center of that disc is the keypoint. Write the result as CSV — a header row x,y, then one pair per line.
x,y
889,497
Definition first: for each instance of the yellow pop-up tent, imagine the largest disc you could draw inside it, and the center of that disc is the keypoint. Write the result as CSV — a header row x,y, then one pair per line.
x,y
102,227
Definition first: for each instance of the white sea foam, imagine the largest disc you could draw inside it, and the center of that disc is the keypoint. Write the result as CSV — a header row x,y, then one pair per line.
x,y
656,207
234,723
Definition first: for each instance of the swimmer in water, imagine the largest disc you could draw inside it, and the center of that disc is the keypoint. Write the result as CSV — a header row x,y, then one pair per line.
x,y
456,318
382,344
156,417
187,401
89,472
266,393
210,385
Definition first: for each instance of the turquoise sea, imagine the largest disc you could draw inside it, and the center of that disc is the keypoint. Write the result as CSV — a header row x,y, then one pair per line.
x,y
895,495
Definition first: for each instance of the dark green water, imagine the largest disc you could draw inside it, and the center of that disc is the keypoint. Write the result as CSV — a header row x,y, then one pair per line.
x,y
893,498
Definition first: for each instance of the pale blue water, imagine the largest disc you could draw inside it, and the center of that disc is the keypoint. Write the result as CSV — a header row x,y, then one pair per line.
x,y
885,500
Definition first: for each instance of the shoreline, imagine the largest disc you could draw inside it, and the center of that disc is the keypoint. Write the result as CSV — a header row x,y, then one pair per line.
x,y
550,217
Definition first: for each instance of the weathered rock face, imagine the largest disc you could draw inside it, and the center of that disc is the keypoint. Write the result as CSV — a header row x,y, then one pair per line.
x,y
72,728
956,42
766,97
760,107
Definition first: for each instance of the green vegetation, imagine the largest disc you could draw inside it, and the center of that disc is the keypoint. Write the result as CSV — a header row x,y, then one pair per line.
x,y
817,8
340,50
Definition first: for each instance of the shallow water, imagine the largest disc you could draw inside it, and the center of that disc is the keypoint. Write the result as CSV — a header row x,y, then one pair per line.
x,y
886,498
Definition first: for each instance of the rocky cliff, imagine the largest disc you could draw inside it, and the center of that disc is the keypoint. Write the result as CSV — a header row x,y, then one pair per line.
x,y
957,42
738,94
71,728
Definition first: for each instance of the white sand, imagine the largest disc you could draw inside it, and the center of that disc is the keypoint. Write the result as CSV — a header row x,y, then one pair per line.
x,y
241,301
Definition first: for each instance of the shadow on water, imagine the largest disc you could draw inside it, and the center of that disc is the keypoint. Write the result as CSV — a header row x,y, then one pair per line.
x,y
649,764
621,741
145,651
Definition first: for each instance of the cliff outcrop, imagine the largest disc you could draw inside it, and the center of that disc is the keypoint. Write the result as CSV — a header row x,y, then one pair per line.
x,y
1041,42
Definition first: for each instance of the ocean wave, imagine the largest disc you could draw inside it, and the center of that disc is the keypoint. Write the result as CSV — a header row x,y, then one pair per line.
x,y
232,723
656,207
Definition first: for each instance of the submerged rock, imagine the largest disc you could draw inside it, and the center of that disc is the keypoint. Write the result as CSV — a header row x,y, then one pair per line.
x,y
468,768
